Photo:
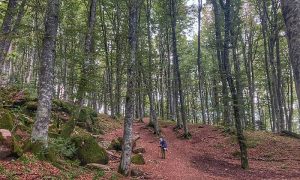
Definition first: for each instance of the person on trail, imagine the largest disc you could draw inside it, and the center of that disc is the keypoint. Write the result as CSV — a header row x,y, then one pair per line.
x,y
163,146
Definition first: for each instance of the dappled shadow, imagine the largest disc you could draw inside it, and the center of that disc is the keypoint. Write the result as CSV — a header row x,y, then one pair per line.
x,y
226,169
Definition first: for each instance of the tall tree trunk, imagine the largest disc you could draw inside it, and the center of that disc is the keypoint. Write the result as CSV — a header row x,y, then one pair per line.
x,y
88,51
263,17
40,127
118,59
124,167
6,28
177,71
291,14
225,98
107,63
153,117
199,64
228,10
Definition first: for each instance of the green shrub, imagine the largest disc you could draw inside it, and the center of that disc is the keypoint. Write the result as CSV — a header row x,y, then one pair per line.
x,y
68,128
62,147
98,174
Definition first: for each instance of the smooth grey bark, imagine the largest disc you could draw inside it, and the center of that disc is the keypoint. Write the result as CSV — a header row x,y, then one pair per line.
x,y
118,59
153,116
7,27
291,14
218,35
176,69
40,127
199,64
88,52
124,167
264,25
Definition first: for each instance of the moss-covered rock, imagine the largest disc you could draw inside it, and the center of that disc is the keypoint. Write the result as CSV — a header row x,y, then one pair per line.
x,y
87,119
116,144
17,147
31,106
40,151
88,150
67,129
138,159
6,119
59,105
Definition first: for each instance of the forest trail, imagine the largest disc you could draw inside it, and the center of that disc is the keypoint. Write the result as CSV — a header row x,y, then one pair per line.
x,y
205,156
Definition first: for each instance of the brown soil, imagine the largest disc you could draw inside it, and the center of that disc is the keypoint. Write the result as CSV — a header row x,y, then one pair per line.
x,y
211,154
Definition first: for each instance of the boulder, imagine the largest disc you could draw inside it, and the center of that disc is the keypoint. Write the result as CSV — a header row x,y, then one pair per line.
x,y
116,144
88,150
5,137
139,150
98,166
6,143
138,159
6,120
31,106
68,128
136,172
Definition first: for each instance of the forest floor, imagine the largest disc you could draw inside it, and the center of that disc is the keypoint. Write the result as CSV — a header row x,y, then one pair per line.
x,y
213,154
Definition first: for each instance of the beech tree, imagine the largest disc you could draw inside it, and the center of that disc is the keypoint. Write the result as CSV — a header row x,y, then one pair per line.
x,y
6,28
291,14
40,127
124,167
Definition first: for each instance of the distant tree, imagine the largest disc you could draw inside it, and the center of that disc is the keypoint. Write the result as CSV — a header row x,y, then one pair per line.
x,y
87,64
6,28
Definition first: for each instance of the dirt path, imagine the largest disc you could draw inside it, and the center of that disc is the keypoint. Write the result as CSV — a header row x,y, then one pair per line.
x,y
176,166
208,155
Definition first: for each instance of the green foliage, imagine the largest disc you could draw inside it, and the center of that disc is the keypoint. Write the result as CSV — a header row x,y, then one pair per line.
x,y
138,159
6,119
87,119
98,174
62,147
17,147
31,106
88,150
114,176
68,128
59,105
26,159
56,150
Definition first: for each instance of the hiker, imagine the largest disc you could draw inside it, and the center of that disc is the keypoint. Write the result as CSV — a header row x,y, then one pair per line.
x,y
163,146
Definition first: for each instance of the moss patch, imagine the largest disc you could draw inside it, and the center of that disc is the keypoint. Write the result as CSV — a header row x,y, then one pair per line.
x,y
87,118
88,150
31,106
138,159
116,144
68,128
6,120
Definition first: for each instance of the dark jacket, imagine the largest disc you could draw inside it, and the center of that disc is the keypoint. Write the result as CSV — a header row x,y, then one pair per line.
x,y
163,144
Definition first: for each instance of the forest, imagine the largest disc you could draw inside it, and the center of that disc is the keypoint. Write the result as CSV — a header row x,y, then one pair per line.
x,y
75,74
